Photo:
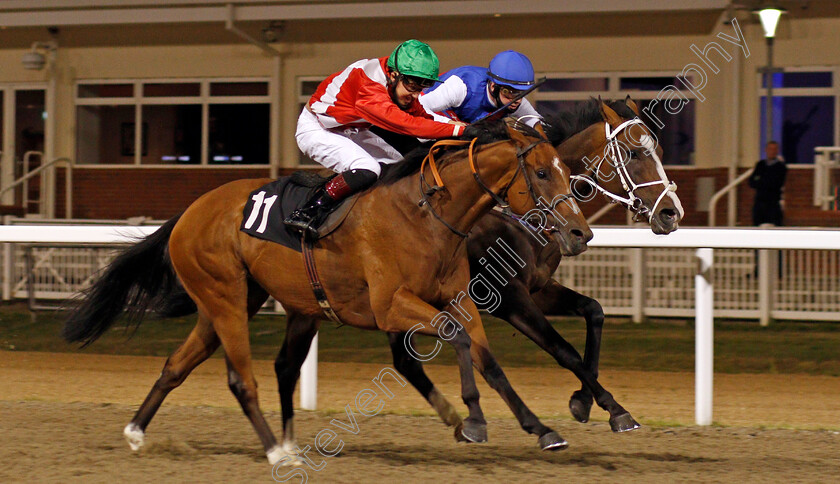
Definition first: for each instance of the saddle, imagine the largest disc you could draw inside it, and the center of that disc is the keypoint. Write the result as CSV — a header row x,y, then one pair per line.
x,y
270,204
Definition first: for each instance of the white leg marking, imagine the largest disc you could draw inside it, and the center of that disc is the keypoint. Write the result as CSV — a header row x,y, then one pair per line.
x,y
280,454
134,436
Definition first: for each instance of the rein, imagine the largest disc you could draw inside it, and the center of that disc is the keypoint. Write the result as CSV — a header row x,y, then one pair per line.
x,y
427,190
632,202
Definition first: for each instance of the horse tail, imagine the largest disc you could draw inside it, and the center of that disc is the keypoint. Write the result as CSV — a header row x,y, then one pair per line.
x,y
139,279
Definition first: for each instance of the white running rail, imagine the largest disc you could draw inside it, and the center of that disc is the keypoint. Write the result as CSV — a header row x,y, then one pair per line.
x,y
704,241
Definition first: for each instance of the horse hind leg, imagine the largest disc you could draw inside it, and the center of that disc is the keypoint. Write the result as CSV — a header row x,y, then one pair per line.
x,y
412,369
233,334
300,330
199,345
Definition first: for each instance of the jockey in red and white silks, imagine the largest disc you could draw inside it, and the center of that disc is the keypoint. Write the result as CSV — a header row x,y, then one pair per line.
x,y
333,128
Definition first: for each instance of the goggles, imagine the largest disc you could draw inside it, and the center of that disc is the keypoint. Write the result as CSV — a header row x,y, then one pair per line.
x,y
415,84
509,92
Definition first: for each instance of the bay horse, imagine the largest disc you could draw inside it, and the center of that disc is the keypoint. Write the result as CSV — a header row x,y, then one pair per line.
x,y
583,139
394,264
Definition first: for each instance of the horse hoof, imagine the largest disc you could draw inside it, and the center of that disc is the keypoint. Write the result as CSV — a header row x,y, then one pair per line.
x,y
458,436
580,408
623,423
553,441
282,457
134,436
471,432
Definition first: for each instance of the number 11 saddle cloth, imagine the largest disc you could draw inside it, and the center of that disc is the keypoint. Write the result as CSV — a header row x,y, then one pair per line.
x,y
270,204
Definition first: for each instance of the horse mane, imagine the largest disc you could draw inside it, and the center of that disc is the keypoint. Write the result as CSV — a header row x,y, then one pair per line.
x,y
486,131
564,125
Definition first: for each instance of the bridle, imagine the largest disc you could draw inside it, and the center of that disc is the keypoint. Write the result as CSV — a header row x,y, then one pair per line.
x,y
501,198
613,151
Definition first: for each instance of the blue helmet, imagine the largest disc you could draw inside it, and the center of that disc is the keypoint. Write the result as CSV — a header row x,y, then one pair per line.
x,y
512,69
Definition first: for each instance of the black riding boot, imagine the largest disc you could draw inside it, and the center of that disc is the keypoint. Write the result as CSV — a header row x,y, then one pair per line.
x,y
308,218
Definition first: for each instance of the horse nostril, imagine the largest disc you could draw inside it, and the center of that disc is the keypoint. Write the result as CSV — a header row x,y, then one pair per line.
x,y
578,234
668,215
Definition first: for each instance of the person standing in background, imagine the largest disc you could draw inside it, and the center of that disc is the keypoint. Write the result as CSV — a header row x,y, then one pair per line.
x,y
768,181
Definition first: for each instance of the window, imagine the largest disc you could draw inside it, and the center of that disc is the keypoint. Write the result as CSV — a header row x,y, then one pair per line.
x,y
803,112
561,92
305,89
196,122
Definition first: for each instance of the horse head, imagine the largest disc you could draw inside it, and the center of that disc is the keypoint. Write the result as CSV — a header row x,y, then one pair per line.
x,y
543,193
618,156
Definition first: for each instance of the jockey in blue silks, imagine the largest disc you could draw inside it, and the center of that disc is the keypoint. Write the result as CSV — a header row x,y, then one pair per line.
x,y
470,93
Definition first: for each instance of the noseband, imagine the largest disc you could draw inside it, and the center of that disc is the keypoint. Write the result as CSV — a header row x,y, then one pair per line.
x,y
613,150
501,200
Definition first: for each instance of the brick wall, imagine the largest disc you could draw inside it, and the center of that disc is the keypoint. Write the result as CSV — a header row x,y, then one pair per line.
x,y
156,193
799,210
162,193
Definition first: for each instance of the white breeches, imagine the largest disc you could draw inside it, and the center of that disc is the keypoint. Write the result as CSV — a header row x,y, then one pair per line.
x,y
342,149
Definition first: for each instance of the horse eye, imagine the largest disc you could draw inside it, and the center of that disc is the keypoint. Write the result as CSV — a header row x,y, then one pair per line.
x,y
542,174
634,155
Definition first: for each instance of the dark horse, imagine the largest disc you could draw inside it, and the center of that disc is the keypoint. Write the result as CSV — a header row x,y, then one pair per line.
x,y
630,173
393,265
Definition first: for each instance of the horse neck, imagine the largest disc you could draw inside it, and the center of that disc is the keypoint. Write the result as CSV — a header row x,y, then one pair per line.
x,y
579,146
463,202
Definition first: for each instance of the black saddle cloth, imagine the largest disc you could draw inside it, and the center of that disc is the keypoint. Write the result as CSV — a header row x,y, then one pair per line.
x,y
270,204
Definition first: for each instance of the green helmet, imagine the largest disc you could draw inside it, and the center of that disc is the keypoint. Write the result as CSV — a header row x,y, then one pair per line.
x,y
415,58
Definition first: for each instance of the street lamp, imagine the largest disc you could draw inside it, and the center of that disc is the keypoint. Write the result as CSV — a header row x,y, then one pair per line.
x,y
769,21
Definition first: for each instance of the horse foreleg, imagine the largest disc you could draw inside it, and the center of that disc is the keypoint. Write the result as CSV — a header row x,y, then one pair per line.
x,y
412,369
558,300
200,344
300,331
524,313
402,311
495,377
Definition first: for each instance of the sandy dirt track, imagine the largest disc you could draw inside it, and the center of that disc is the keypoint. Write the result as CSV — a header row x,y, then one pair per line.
x,y
61,417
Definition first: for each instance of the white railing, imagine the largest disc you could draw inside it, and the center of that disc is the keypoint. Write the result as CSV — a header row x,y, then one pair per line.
x,y
826,159
807,288
628,282
704,242
723,191
24,180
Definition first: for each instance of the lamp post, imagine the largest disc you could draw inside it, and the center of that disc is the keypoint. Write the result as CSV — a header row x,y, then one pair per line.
x,y
769,21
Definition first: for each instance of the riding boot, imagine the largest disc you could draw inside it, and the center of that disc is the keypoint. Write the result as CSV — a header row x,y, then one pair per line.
x,y
308,218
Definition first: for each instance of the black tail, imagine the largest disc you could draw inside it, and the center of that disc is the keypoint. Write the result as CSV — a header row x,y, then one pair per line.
x,y
139,279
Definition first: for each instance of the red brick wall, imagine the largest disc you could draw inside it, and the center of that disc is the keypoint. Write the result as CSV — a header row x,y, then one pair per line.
x,y
162,193
156,193
799,209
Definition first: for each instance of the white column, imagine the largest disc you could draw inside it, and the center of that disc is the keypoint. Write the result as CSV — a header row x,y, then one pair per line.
x,y
704,328
7,152
47,203
309,378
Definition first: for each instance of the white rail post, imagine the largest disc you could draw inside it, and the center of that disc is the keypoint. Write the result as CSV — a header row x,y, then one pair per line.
x,y
309,378
8,271
767,261
704,337
765,289
637,263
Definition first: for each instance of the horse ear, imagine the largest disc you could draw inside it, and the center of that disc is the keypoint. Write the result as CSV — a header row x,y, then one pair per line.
x,y
609,115
517,136
632,105
540,130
